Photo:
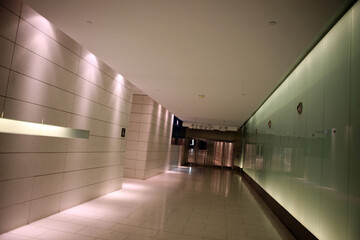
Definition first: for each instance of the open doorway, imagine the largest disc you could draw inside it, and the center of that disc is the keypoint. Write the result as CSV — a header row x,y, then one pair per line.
x,y
204,152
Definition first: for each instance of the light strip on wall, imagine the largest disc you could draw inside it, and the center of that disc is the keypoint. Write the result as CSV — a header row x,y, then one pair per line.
x,y
39,129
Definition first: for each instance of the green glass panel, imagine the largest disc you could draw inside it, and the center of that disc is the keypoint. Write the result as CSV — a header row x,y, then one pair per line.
x,y
354,161
277,168
314,138
268,114
288,144
300,82
285,147
303,160
333,218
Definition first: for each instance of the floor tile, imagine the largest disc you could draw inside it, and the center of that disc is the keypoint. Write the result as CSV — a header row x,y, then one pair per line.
x,y
175,205
57,225
102,233
93,222
13,236
175,236
138,237
58,235
134,230
30,231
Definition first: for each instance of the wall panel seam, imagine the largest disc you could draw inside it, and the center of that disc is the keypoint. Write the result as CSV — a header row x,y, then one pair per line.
x,y
76,114
52,26
8,39
11,10
11,63
92,184
74,73
73,93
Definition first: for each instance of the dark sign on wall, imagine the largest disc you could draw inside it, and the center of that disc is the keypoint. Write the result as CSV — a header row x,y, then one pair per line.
x,y
178,131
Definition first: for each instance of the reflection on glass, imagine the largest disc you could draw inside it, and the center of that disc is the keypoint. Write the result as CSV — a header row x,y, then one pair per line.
x,y
228,154
308,162
191,156
218,153
287,159
201,157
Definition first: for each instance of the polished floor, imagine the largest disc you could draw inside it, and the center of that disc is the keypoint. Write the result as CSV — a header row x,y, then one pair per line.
x,y
182,204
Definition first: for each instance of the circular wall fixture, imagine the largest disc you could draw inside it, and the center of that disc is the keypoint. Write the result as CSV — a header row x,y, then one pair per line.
x,y
272,23
269,124
201,96
299,108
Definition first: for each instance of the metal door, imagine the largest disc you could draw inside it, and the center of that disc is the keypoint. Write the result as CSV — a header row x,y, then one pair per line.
x,y
223,154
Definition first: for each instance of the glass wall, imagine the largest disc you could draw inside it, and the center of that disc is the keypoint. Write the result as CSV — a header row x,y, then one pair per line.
x,y
303,144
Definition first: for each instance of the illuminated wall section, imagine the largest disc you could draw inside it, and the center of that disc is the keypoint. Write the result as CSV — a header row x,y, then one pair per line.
x,y
45,75
149,151
309,162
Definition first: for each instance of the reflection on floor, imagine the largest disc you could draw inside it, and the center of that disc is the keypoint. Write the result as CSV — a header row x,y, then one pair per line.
x,y
182,204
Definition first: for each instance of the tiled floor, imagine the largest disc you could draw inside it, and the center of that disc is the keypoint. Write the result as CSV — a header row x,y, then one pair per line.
x,y
183,204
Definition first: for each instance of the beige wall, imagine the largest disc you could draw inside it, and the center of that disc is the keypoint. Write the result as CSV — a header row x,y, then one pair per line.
x,y
45,75
149,151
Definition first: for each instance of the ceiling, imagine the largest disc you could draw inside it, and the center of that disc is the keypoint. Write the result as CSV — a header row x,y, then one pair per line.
x,y
174,50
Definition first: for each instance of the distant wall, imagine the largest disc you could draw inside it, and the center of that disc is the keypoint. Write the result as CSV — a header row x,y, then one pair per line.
x,y
47,76
149,151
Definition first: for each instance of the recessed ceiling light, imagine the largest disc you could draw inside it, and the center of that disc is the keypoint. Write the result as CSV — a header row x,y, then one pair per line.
x,y
89,22
201,96
272,23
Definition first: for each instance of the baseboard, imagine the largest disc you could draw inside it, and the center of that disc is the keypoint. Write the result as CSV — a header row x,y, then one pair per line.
x,y
293,225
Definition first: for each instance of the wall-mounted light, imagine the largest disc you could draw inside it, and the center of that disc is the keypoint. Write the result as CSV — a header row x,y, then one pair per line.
x,y
38,129
299,108
272,23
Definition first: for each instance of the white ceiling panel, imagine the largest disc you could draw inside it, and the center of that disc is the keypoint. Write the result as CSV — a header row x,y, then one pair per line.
x,y
174,50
